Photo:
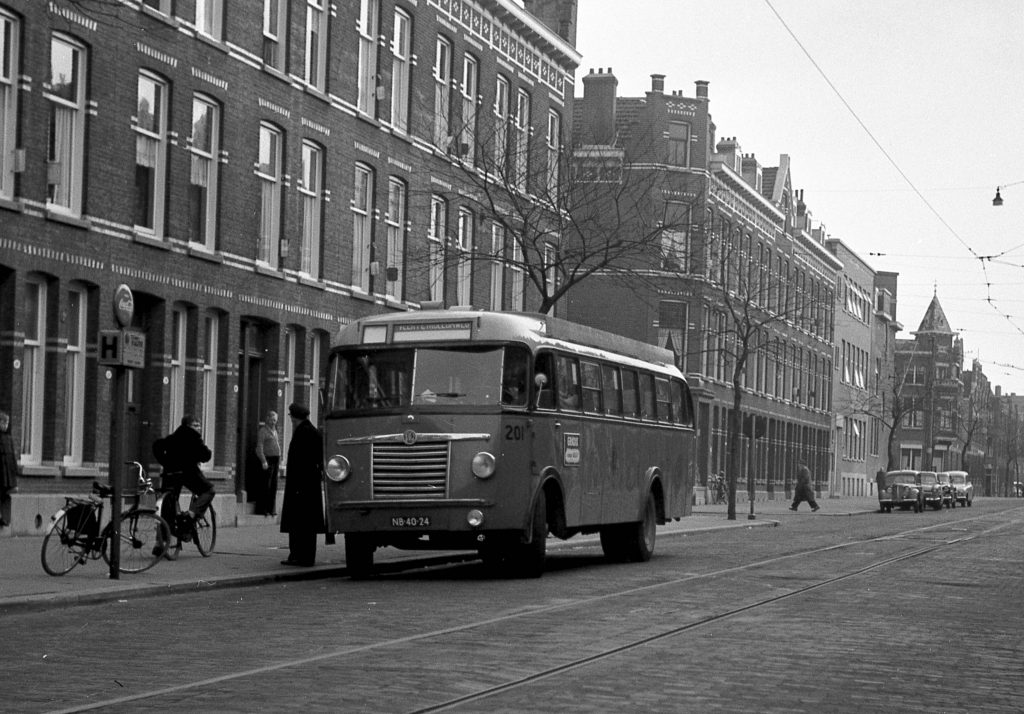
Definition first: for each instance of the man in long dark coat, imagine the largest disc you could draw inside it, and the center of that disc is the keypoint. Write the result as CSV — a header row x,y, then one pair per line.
x,y
302,514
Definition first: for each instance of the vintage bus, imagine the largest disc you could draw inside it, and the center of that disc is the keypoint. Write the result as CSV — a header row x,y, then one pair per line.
x,y
460,429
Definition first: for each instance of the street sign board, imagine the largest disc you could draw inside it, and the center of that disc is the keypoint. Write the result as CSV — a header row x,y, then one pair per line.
x,y
122,348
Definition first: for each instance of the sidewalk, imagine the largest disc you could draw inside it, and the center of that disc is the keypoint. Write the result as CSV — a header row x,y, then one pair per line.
x,y
251,553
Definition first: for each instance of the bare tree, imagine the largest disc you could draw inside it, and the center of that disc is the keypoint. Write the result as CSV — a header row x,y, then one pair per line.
x,y
889,407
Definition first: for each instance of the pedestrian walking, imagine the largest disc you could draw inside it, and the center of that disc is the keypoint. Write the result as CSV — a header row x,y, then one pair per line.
x,y
302,514
9,471
804,491
268,450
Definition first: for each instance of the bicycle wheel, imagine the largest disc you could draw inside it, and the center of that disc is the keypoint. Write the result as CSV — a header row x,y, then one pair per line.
x,y
206,532
62,550
144,537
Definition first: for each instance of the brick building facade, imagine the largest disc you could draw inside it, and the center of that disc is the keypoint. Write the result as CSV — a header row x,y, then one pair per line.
x,y
258,176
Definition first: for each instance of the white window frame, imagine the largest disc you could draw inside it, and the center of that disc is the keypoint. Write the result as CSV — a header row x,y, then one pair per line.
x,y
10,56
288,381
550,258
362,225
66,154
442,92
275,33
502,99
522,139
315,366
497,266
178,351
74,374
517,298
469,87
369,27
269,170
401,70
209,388
395,220
205,173
151,152
316,44
161,6
436,244
466,247
311,190
554,145
210,18
33,372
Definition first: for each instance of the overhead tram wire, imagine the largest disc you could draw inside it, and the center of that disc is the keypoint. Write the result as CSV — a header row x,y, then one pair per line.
x,y
980,258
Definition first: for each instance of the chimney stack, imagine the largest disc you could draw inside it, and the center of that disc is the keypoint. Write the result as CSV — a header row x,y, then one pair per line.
x,y
702,88
599,99
658,83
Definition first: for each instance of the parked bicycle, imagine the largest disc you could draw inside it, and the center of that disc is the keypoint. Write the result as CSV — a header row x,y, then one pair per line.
x,y
202,531
718,486
74,535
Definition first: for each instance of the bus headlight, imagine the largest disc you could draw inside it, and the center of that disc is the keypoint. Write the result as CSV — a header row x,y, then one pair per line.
x,y
483,465
338,468
475,518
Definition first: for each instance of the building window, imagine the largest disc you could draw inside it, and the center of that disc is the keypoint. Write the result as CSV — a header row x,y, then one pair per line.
x,y
497,266
270,174
369,21
467,133
315,360
678,143
209,14
204,146
288,381
436,241
33,372
311,190
65,91
401,67
442,92
517,289
150,154
464,270
521,153
74,375
672,317
208,414
394,270
550,269
554,146
176,374
275,33
316,43
161,6
362,226
10,34
501,118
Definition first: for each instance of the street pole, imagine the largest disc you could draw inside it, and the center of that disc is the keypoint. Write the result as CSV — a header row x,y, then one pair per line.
x,y
115,476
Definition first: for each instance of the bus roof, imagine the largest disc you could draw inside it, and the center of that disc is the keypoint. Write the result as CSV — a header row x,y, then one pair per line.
x,y
463,324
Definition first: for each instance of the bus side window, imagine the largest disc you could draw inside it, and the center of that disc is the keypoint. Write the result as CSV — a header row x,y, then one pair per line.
x,y
664,396
591,386
545,365
630,394
612,389
567,382
646,396
681,405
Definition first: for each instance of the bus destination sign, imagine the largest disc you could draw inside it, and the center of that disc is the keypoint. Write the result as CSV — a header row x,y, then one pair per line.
x,y
439,330
571,450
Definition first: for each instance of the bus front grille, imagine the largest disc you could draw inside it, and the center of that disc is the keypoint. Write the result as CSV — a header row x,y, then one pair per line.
x,y
417,471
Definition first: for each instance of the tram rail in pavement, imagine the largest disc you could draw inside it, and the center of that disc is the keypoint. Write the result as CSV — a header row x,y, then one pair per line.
x,y
250,553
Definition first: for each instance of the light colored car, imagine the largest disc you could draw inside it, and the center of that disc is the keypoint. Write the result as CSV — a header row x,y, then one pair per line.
x,y
948,490
963,488
931,489
900,489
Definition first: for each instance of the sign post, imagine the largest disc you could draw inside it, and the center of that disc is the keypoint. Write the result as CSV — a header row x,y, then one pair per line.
x,y
122,349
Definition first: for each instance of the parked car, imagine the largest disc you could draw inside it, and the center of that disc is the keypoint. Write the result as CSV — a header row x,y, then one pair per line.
x,y
931,489
962,487
900,489
948,490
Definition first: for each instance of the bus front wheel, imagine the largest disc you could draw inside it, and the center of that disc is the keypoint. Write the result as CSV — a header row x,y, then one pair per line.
x,y
528,558
358,555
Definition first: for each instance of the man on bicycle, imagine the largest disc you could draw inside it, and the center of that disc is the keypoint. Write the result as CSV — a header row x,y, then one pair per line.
x,y
180,453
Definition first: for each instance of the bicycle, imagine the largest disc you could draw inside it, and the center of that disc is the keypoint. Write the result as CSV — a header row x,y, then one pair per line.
x,y
202,531
74,535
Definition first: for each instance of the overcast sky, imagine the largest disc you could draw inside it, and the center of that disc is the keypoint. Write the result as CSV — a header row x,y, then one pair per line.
x,y
905,174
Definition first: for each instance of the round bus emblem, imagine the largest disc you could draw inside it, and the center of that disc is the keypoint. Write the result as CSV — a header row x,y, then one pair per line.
x,y
409,437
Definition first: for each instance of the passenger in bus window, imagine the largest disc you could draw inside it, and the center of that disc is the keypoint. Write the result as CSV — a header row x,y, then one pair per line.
x,y
567,383
513,381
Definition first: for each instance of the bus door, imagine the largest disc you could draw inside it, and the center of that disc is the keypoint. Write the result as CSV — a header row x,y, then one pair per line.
x,y
573,444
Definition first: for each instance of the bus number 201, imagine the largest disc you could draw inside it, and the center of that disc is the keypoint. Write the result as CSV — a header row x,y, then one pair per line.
x,y
514,432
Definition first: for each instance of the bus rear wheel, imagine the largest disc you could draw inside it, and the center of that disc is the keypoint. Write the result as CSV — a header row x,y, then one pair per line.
x,y
632,542
358,555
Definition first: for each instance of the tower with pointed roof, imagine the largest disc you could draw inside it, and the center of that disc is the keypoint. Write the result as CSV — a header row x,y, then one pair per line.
x,y
929,369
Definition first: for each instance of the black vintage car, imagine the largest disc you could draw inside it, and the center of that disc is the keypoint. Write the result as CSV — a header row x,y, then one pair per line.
x,y
900,489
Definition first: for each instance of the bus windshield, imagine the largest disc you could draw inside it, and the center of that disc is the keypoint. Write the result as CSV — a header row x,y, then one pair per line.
x,y
400,377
